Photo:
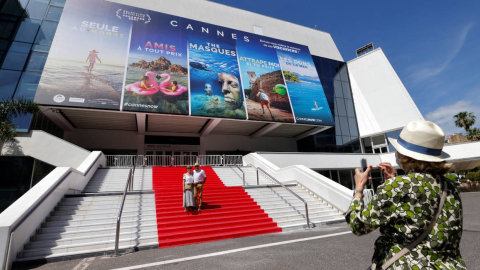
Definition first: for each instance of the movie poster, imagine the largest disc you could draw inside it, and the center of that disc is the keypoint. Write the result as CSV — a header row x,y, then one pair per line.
x,y
215,77
306,92
265,90
86,63
157,73
112,56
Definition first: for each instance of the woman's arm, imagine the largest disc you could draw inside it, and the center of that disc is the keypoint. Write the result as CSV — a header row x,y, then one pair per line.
x,y
98,58
363,218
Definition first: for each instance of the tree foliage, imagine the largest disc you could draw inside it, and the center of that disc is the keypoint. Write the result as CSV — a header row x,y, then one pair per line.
x,y
473,134
470,175
451,177
464,120
290,76
9,110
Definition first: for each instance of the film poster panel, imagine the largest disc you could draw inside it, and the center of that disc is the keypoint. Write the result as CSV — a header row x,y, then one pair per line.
x,y
266,94
214,76
86,63
306,92
157,72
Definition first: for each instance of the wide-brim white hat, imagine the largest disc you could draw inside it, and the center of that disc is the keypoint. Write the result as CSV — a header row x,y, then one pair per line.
x,y
421,140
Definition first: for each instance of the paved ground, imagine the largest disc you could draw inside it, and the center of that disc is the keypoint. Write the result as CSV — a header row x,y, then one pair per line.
x,y
343,251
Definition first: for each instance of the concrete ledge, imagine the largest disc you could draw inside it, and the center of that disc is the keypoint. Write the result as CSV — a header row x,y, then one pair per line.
x,y
268,186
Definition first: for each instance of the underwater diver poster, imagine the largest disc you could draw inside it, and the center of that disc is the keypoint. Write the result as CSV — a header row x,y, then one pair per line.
x,y
157,72
215,78
306,92
86,63
265,90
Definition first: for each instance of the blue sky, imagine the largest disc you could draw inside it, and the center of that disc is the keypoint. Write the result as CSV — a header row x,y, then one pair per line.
x,y
432,45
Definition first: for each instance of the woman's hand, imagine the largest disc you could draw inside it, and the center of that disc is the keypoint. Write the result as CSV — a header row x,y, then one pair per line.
x,y
387,170
361,179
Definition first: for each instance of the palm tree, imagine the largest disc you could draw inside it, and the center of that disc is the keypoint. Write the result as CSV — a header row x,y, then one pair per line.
x,y
11,108
474,134
464,120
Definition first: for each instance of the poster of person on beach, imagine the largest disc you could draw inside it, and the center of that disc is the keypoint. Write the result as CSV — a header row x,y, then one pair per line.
x,y
215,78
86,63
306,92
157,72
266,95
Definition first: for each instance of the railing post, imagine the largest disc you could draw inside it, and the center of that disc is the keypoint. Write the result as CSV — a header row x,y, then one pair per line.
x,y
258,182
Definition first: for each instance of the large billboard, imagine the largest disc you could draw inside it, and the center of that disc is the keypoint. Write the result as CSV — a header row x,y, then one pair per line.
x,y
111,56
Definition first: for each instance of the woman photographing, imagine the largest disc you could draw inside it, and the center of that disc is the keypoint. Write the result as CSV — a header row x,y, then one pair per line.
x,y
419,214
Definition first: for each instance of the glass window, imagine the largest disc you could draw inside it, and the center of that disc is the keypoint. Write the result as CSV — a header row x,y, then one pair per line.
x,y
338,132
17,56
14,7
28,85
352,124
334,174
350,108
356,146
346,90
318,65
344,126
28,30
3,48
36,8
8,83
367,144
37,61
327,72
22,122
384,150
41,48
335,66
340,105
40,170
346,178
376,150
54,13
343,74
346,140
60,3
6,29
337,85
46,33
339,140
327,85
378,140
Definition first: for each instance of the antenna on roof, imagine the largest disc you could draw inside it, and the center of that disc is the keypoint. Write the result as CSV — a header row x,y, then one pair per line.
x,y
315,26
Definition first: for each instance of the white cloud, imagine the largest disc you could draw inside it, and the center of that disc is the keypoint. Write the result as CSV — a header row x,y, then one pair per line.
x,y
435,69
443,116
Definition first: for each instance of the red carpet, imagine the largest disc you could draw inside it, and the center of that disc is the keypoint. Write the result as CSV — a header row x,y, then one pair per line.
x,y
227,212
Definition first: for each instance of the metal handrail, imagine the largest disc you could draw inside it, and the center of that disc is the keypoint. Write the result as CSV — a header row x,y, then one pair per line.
x,y
289,190
119,217
243,173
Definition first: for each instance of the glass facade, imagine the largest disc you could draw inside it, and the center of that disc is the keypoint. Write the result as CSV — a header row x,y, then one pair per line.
x,y
26,33
344,136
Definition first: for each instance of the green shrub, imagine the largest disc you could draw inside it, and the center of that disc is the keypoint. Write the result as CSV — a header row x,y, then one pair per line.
x,y
476,177
470,175
451,177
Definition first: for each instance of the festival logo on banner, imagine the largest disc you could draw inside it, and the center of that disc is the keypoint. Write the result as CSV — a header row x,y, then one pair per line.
x,y
265,91
157,72
306,92
215,77
86,62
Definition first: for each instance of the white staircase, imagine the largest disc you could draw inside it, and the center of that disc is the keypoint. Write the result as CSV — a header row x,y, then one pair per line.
x,y
86,224
114,179
289,212
231,176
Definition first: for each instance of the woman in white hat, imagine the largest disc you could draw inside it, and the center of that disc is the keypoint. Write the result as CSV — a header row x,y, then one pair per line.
x,y
419,214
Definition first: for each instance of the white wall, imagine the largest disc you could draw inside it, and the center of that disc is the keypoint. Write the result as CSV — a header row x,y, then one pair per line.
x,y
320,43
47,148
115,139
214,142
382,102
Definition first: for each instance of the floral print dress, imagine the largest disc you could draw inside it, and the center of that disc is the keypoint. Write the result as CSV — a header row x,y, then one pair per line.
x,y
402,208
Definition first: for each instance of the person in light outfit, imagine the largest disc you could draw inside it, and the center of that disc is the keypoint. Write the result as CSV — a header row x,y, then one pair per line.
x,y
199,179
188,198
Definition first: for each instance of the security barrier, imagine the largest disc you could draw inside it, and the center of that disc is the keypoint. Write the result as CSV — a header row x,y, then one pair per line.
x,y
173,161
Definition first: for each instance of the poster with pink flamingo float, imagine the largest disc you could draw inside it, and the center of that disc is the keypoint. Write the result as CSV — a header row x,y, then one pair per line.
x,y
157,75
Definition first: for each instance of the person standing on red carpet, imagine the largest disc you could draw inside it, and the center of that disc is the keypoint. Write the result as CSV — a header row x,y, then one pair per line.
x,y
199,179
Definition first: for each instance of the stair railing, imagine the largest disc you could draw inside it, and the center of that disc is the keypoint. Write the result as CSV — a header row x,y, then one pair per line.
x,y
289,190
128,186
243,173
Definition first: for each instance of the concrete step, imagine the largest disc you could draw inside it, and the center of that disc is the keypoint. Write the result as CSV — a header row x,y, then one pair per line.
x,y
71,226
